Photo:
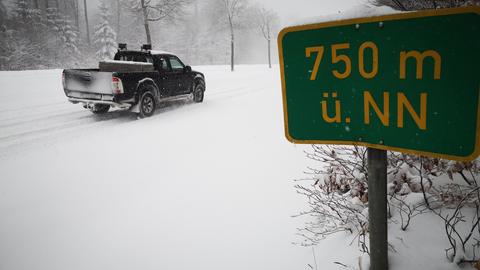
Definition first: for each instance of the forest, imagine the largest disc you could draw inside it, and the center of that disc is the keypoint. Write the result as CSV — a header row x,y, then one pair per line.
x,y
46,34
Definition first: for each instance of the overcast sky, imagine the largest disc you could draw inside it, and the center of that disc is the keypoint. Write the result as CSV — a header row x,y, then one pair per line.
x,y
294,10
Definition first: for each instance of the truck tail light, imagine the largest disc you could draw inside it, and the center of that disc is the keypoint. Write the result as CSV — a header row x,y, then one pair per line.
x,y
63,80
117,86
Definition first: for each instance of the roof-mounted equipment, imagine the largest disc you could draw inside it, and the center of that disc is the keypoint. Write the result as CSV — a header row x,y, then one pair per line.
x,y
146,47
122,46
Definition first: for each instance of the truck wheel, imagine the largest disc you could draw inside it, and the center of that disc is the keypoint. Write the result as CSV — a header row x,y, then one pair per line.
x,y
100,108
147,105
198,93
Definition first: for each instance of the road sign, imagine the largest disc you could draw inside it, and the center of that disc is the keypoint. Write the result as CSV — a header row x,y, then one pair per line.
x,y
406,82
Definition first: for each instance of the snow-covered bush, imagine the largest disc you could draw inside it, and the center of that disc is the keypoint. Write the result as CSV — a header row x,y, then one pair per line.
x,y
337,196
461,218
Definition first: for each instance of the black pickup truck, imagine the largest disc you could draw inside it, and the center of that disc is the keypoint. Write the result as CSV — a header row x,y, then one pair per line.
x,y
134,80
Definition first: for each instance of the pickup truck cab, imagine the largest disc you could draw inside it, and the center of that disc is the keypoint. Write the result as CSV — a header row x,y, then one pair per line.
x,y
135,80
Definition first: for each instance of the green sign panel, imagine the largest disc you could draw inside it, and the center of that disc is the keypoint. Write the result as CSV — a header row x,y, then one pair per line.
x,y
407,82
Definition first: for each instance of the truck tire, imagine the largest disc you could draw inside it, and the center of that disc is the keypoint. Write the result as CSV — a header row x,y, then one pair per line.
x,y
147,105
100,108
198,93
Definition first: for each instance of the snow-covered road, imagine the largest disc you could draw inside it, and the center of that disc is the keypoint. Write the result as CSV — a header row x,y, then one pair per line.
x,y
196,186
33,106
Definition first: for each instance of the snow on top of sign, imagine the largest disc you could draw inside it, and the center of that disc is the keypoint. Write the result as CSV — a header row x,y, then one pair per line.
x,y
359,11
127,62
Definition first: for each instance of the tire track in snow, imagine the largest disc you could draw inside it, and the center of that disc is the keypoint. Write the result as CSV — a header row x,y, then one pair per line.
x,y
40,126
81,120
22,140
16,121
30,108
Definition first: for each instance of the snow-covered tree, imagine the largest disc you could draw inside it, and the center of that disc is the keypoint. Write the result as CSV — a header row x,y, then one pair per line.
x,y
69,36
5,48
21,9
105,37
233,11
266,21
65,47
3,13
87,27
424,4
24,14
158,10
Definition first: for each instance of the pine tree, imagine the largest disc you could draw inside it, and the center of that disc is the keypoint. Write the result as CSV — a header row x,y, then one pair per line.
x,y
21,10
3,13
29,17
105,37
69,36
66,37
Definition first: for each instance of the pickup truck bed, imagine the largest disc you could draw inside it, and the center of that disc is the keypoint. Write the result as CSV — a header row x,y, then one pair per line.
x,y
93,86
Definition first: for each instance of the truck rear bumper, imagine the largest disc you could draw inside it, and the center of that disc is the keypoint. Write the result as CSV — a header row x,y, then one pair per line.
x,y
88,95
96,101
89,99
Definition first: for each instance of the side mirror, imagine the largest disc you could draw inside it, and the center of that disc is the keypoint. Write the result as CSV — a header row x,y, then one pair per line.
x,y
188,69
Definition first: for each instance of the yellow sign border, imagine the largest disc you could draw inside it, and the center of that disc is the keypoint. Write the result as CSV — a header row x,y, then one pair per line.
x,y
399,16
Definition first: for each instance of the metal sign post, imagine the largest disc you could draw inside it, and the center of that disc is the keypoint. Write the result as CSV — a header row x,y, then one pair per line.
x,y
377,208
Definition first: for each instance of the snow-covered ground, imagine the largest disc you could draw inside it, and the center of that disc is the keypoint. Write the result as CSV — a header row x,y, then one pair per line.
x,y
197,186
